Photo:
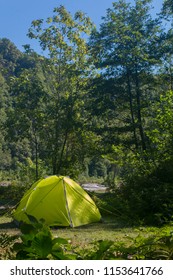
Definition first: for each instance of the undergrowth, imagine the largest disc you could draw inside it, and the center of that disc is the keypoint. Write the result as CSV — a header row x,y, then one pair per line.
x,y
36,242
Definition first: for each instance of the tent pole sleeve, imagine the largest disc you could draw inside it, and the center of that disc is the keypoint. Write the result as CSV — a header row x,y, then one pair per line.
x,y
68,210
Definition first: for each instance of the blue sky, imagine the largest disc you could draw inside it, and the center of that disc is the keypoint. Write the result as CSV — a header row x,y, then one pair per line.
x,y
16,15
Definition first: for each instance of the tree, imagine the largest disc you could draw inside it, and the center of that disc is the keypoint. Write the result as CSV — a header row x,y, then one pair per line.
x,y
167,8
25,118
162,129
66,72
125,49
5,157
166,16
9,56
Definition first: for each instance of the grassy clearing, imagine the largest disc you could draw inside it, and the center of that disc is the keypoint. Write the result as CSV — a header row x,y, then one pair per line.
x,y
110,239
110,228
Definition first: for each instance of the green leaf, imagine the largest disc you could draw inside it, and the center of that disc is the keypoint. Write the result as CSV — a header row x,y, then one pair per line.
x,y
27,228
42,244
60,240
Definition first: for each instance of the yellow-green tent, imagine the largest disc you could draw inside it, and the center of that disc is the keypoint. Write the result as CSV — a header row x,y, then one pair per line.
x,y
59,201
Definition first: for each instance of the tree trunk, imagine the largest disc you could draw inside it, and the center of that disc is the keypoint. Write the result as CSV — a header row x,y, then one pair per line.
x,y
62,152
36,158
138,99
131,110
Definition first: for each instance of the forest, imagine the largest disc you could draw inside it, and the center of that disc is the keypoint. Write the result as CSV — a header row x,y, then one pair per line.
x,y
95,105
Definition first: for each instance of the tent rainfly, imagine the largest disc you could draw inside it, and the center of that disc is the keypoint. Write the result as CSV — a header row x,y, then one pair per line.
x,y
59,201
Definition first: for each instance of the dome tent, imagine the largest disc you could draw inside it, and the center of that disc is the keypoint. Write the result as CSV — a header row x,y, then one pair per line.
x,y
59,201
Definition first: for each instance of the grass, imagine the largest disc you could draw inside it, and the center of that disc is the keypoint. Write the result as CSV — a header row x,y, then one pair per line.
x,y
110,228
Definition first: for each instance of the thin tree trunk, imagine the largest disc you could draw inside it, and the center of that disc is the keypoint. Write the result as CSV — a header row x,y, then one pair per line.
x,y
171,80
35,141
138,99
55,150
36,158
131,110
62,152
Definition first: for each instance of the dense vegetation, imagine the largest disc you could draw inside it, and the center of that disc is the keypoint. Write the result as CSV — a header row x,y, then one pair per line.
x,y
98,104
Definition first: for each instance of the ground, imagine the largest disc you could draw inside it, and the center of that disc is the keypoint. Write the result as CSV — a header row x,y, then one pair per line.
x,y
132,242
109,228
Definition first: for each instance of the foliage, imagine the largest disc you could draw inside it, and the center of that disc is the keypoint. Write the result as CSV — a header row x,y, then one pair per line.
x,y
148,176
6,244
162,129
146,192
123,49
159,246
9,55
37,242
66,74
5,158
11,192
167,8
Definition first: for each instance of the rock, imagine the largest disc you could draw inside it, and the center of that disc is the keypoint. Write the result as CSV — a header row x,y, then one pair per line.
x,y
94,187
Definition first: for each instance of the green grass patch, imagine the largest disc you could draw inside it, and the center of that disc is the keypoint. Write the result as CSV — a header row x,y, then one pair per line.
x,y
109,239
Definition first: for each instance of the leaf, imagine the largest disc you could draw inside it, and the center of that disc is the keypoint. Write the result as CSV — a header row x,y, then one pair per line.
x,y
18,246
104,245
32,219
27,228
58,255
60,240
42,244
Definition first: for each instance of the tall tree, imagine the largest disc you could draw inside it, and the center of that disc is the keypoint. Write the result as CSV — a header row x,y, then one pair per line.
x,y
66,71
167,40
161,132
25,118
5,157
167,8
9,55
126,47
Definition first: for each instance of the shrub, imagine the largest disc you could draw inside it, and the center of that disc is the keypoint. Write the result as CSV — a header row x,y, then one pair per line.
x,y
38,243
156,247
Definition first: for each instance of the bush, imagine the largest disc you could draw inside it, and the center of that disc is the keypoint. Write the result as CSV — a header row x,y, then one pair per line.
x,y
149,200
147,191
11,193
156,247
37,243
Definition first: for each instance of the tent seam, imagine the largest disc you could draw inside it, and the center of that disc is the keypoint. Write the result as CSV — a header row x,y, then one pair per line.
x,y
40,199
68,210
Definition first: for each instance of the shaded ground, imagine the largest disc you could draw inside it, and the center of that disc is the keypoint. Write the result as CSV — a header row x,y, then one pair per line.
x,y
7,225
